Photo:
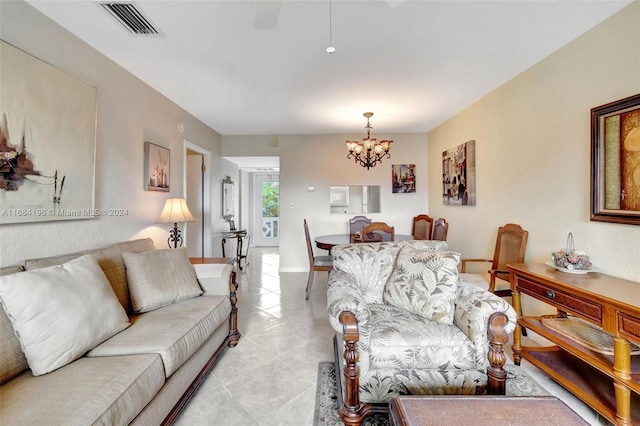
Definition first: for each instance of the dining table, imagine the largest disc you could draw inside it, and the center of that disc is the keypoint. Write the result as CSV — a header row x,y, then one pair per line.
x,y
327,242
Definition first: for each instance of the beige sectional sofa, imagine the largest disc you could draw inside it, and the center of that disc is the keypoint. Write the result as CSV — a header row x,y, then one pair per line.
x,y
162,349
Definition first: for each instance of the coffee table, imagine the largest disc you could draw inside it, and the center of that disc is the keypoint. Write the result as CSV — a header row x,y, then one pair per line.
x,y
481,410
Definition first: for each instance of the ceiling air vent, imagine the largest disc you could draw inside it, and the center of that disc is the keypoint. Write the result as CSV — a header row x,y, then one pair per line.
x,y
129,16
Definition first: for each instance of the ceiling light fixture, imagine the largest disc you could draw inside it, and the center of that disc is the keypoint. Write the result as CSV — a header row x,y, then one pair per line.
x,y
330,49
368,152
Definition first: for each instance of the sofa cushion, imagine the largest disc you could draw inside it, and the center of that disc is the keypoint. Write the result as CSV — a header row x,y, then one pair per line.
x,y
109,259
60,312
108,391
175,331
159,278
425,283
12,360
404,340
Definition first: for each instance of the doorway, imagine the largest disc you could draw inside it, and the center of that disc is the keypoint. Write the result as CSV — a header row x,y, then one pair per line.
x,y
266,209
197,192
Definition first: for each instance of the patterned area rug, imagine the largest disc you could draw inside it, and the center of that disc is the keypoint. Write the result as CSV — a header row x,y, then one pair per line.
x,y
519,383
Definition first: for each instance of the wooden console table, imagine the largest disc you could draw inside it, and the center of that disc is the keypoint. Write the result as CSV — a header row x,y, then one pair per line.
x,y
609,383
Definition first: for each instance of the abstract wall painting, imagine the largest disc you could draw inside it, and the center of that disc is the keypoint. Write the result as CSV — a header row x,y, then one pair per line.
x,y
403,178
47,141
459,175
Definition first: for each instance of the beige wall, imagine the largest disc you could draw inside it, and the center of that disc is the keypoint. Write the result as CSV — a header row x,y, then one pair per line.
x,y
533,152
129,113
320,161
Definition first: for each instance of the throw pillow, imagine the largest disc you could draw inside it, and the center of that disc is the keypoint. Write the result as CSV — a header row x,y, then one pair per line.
x,y
425,283
60,312
159,278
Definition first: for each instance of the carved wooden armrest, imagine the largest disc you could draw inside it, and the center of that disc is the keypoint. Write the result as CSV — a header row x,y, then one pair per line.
x,y
352,411
234,334
498,337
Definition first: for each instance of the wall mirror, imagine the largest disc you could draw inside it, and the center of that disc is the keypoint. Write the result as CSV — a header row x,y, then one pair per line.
x,y
354,199
228,199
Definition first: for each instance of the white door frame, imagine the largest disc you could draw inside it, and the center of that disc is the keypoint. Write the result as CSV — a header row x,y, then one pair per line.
x,y
206,201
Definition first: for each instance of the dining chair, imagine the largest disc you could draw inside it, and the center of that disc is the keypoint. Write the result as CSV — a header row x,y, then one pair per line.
x,y
378,231
511,245
355,228
316,263
421,227
440,229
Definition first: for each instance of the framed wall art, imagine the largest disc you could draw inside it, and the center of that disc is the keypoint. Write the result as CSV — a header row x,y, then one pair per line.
x,y
47,141
403,178
459,175
615,161
157,160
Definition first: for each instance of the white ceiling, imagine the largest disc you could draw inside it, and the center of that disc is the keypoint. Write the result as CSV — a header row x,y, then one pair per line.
x,y
414,65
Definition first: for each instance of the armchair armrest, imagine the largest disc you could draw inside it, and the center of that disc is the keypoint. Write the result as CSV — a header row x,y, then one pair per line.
x,y
344,296
464,263
215,279
220,280
473,307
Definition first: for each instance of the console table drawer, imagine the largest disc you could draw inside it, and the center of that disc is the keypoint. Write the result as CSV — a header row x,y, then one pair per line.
x,y
560,299
629,326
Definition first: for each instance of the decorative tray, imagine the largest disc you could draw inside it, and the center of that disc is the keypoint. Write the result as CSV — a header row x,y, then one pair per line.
x,y
572,271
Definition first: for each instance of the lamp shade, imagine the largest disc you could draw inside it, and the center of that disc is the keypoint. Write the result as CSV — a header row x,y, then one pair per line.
x,y
175,210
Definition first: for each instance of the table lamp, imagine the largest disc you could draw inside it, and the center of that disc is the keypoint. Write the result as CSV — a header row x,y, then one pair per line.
x,y
175,210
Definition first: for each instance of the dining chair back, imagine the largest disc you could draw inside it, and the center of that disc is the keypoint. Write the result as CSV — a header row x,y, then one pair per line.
x,y
316,263
440,229
378,231
421,228
355,228
511,245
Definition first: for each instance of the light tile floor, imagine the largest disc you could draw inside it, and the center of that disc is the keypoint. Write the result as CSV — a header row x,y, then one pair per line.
x,y
269,378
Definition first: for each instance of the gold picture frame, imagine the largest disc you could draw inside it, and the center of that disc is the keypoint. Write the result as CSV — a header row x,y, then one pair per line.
x,y
615,161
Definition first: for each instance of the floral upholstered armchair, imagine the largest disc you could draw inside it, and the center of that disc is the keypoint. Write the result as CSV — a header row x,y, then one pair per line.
x,y
406,324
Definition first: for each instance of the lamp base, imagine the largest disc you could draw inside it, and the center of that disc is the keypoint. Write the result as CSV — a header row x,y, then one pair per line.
x,y
174,237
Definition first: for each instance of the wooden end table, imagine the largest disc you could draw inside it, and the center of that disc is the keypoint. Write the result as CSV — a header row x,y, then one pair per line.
x,y
481,410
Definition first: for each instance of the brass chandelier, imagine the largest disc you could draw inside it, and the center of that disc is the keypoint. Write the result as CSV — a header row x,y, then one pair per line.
x,y
368,152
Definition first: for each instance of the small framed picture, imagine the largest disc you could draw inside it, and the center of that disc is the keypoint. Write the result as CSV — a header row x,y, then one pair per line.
x,y
403,178
157,160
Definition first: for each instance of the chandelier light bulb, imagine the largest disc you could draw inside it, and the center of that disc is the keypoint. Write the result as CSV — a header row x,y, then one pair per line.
x,y
330,50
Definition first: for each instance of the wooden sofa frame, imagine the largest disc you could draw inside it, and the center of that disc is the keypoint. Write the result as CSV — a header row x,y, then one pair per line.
x,y
230,342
